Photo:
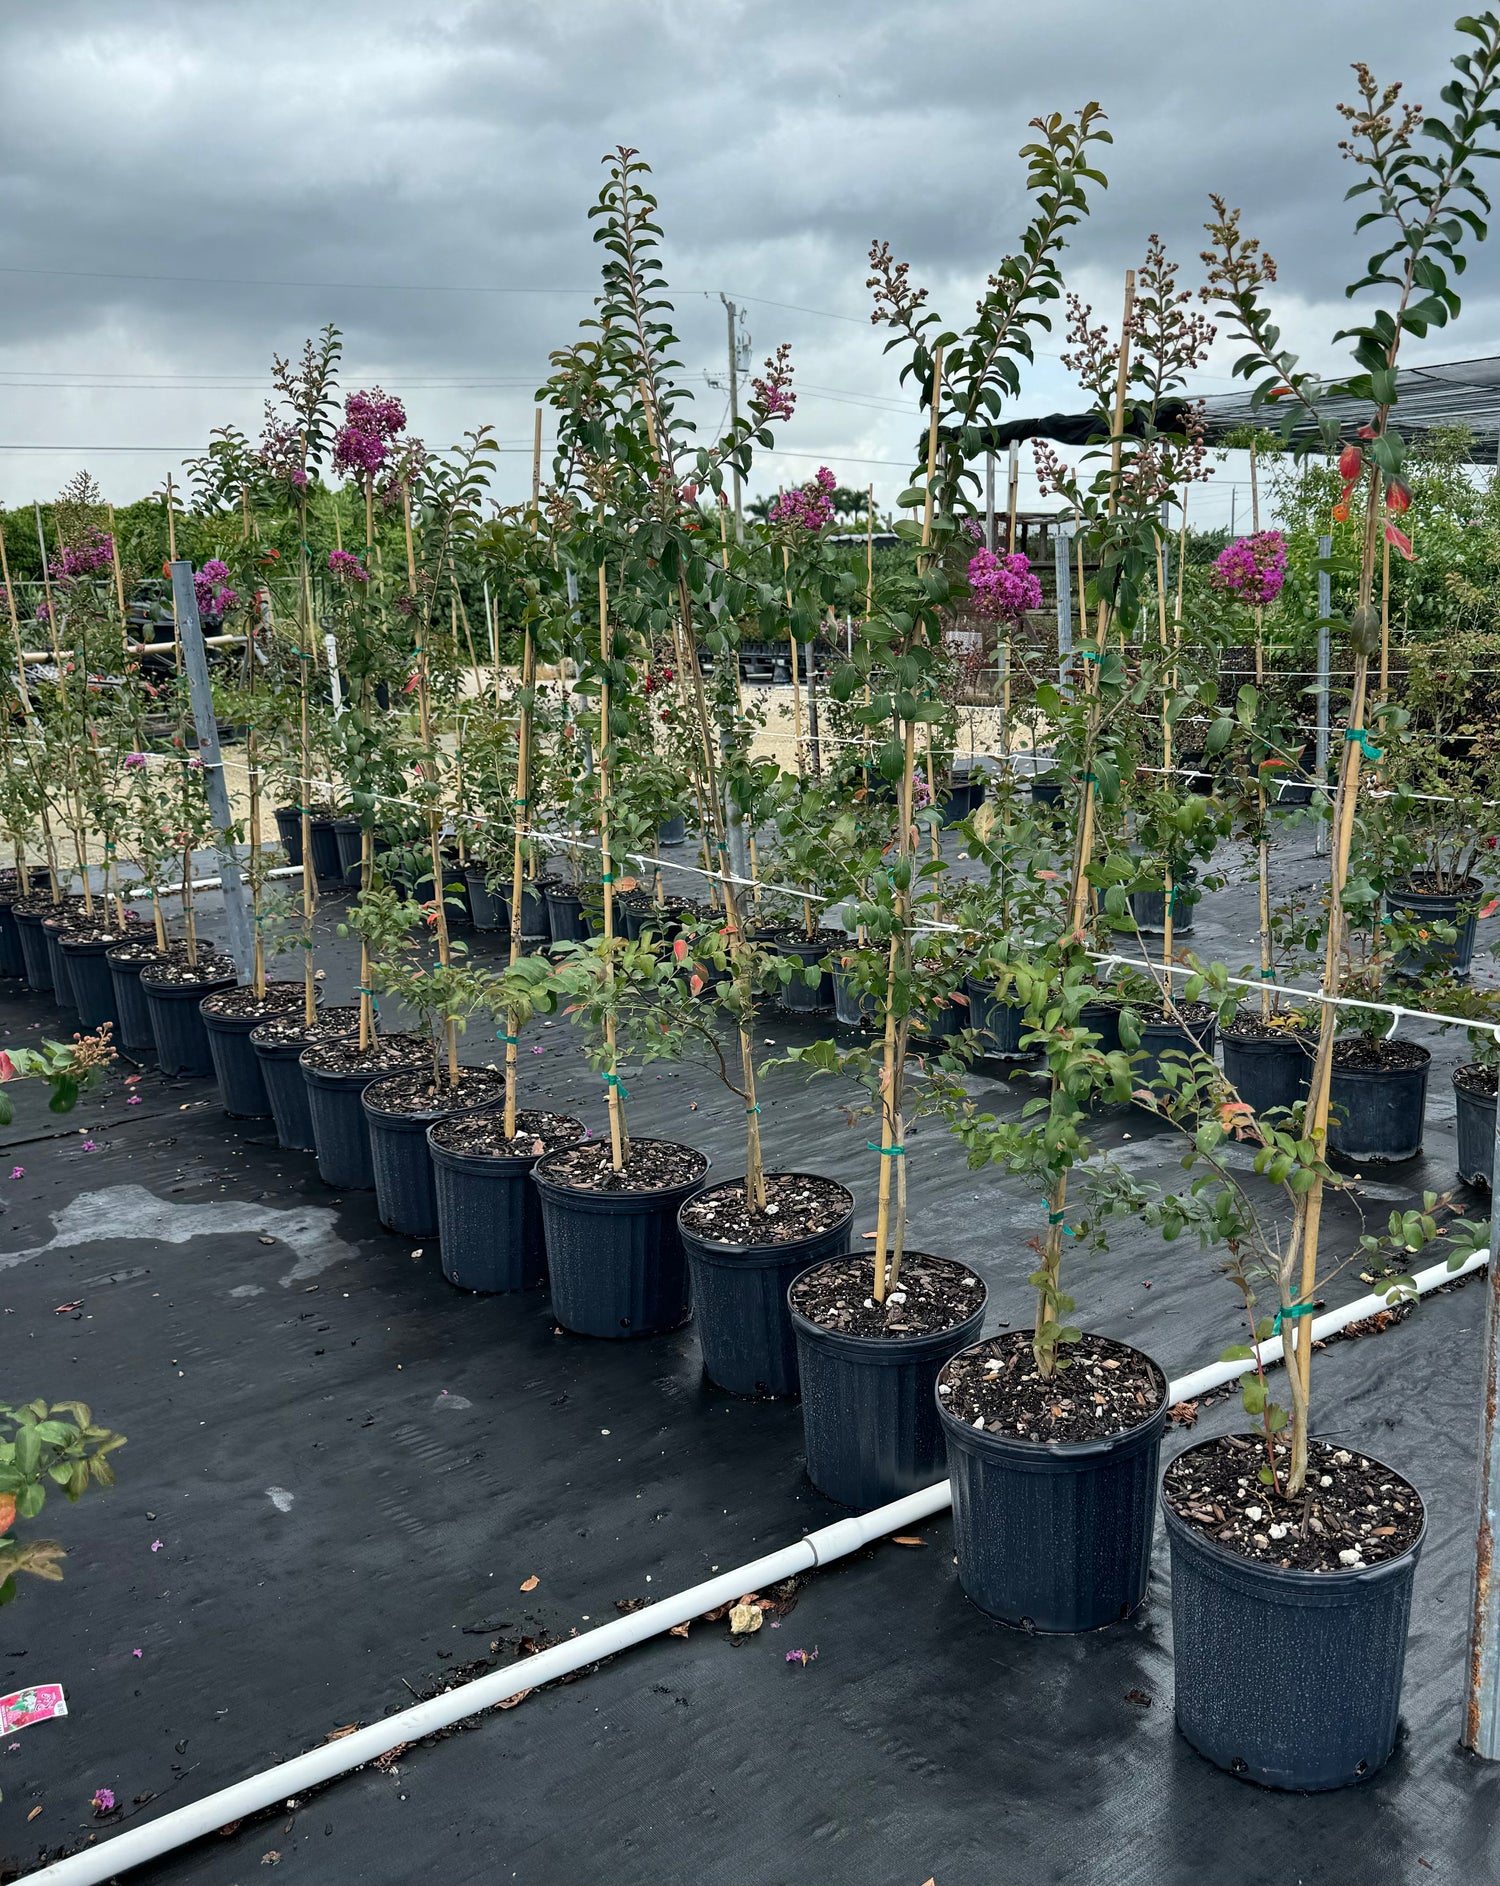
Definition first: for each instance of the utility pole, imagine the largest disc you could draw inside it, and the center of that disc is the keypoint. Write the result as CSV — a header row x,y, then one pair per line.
x,y
732,315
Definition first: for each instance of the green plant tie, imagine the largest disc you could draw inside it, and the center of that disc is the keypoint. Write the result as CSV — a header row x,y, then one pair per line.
x,y
607,878
1085,779
1288,1312
613,1080
513,1041
1268,975
1360,737
1087,654
754,1109
886,1152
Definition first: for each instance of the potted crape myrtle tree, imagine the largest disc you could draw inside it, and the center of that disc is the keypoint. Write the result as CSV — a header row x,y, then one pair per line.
x,y
745,1238
1325,1606
399,1108
489,1214
626,470
873,1333
1053,1432
232,1016
1339,1558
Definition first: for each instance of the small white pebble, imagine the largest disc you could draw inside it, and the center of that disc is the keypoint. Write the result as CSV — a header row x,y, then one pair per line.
x,y
1351,1555
977,1422
1325,1479
1252,1512
1278,1532
604,1430
1343,1457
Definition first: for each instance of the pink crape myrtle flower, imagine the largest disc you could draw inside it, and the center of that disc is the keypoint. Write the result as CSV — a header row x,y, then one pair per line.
x,y
1003,587
1252,569
810,507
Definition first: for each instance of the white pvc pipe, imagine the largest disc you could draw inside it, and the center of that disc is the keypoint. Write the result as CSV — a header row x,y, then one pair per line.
x,y
136,1845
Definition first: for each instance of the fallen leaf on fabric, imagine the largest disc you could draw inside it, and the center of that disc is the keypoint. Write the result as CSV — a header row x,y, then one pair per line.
x,y
907,1538
678,1630
34,1812
531,1583
337,1735
1139,1698
231,1827
273,1858
385,1763
745,1618
511,1701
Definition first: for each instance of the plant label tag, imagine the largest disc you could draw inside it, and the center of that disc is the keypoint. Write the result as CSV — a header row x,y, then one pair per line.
x,y
23,1707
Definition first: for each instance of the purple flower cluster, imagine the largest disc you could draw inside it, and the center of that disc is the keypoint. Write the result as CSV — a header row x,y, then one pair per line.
x,y
341,563
1003,588
810,507
773,391
371,421
1252,569
212,589
133,762
95,553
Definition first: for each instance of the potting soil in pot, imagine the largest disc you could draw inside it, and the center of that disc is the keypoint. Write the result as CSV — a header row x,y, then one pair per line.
x,y
417,1093
653,1165
1482,1082
931,1294
175,968
286,1026
386,1053
479,1134
798,1205
1360,1054
242,1004
1108,1388
1354,1511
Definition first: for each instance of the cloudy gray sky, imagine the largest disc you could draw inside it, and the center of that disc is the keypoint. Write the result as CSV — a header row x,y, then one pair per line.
x,y
190,187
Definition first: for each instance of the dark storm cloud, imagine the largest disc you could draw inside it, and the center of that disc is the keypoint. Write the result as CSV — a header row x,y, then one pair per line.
x,y
454,146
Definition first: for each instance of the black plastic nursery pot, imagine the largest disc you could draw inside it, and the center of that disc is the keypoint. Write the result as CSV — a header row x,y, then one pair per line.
x,y
229,1019
279,1057
1164,1035
1285,1677
289,831
1430,954
869,1408
1102,1018
1474,1092
674,831
999,1024
177,1025
565,918
852,1007
1053,1536
1149,908
12,962
405,1197
92,984
133,1033
1378,1098
490,908
615,1258
349,839
328,868
534,929
804,998
1268,1070
62,981
1046,788
491,1237
335,1103
740,1301
35,961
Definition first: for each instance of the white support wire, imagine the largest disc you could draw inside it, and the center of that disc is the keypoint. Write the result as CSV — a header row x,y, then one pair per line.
x,y
1395,1010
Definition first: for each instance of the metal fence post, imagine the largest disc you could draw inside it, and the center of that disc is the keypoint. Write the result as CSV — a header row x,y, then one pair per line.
x,y
195,665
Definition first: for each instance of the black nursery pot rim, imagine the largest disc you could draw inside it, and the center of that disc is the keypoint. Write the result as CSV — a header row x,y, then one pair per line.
x,y
881,1348
1382,1073
185,991
501,1164
588,1198
770,1253
425,1116
1299,1584
1021,1454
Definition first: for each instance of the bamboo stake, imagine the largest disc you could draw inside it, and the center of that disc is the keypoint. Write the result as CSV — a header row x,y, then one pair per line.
x,y
894,1044
522,821
434,835
1084,850
309,881
786,558
619,1141
1263,837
